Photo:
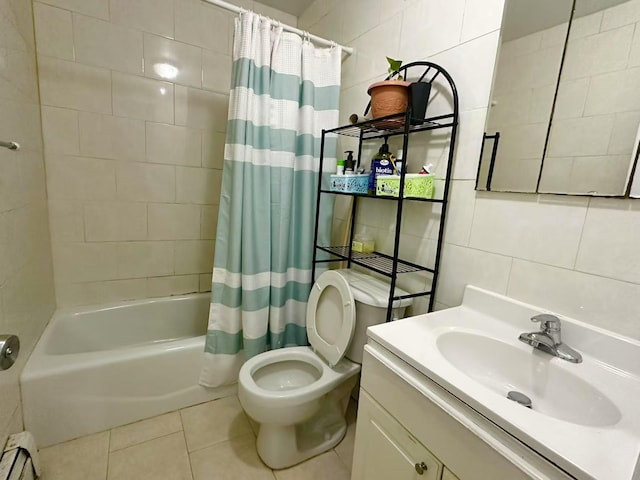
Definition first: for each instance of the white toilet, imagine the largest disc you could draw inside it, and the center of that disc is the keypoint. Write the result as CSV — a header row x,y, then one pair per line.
x,y
299,395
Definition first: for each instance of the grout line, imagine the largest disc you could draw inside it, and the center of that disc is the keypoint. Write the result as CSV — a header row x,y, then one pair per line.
x,y
108,455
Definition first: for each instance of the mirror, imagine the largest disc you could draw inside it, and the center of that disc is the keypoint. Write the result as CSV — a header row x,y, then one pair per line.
x,y
574,133
597,109
532,42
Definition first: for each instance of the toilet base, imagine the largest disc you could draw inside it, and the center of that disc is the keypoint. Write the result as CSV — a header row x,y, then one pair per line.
x,y
282,446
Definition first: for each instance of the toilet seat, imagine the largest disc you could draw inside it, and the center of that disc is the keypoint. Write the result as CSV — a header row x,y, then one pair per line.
x,y
331,313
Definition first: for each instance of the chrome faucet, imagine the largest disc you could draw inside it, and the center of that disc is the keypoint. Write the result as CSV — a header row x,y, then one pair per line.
x,y
548,339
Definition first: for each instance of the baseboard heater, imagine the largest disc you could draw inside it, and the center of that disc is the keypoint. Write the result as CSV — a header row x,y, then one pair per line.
x,y
19,460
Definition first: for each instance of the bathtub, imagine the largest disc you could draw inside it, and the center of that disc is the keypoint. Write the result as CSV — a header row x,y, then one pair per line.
x,y
99,367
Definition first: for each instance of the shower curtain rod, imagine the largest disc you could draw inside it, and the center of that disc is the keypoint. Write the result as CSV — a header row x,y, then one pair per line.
x,y
288,28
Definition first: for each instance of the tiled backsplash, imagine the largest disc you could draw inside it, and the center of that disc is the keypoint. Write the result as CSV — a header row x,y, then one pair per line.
x,y
134,158
26,281
575,255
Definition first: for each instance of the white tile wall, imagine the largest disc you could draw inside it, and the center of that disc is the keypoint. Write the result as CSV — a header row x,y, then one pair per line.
x,y
569,254
26,281
134,159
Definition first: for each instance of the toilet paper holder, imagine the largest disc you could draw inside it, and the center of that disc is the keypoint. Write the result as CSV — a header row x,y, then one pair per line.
x,y
9,349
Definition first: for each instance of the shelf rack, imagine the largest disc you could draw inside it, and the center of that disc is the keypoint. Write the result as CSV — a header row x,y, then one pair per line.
x,y
391,265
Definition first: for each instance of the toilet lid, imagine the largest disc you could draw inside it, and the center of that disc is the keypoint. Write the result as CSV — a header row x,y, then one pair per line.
x,y
331,315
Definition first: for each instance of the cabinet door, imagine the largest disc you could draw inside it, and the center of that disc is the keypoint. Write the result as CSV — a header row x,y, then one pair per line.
x,y
447,475
385,450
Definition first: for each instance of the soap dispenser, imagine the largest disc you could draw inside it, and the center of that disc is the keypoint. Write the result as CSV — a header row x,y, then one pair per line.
x,y
349,163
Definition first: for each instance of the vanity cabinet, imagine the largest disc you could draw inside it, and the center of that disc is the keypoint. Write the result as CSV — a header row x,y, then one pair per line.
x,y
405,419
390,451
447,475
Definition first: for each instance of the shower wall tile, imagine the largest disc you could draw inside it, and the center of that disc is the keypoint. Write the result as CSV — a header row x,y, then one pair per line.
x,y
172,221
193,20
201,109
198,185
174,285
94,8
173,145
113,221
208,222
216,71
144,259
193,256
74,85
205,282
134,159
54,30
104,44
143,182
143,98
85,262
213,150
154,16
67,220
80,178
106,136
186,59
60,130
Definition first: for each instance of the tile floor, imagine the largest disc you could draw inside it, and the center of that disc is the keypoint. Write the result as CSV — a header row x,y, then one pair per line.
x,y
214,440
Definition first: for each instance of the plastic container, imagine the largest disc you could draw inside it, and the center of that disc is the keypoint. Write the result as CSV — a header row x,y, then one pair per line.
x,y
340,167
415,185
349,183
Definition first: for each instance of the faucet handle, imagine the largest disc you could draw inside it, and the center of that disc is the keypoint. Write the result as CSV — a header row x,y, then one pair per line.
x,y
548,322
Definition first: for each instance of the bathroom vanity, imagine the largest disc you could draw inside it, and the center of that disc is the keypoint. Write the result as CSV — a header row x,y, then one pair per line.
x,y
433,400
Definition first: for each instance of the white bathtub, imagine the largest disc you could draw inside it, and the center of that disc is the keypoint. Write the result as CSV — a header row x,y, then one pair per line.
x,y
99,367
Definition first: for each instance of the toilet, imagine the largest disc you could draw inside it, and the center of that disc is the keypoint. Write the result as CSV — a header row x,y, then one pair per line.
x,y
299,395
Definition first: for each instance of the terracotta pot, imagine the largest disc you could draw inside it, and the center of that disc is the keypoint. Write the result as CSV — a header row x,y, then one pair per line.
x,y
388,97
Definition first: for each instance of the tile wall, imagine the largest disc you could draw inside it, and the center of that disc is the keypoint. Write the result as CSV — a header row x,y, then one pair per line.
x,y
26,279
134,107
575,255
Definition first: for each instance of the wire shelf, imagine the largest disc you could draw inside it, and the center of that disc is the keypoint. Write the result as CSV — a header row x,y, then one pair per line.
x,y
392,125
376,261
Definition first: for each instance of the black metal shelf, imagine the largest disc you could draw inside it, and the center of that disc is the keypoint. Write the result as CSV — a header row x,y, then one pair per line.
x,y
376,261
399,124
392,125
383,197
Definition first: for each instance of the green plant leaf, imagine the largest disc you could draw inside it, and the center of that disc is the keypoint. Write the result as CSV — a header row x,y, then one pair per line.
x,y
394,65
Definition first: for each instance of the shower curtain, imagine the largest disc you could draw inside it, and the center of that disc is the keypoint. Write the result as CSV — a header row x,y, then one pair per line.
x,y
284,92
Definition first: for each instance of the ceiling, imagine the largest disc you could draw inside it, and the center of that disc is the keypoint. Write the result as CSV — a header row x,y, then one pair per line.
x,y
294,7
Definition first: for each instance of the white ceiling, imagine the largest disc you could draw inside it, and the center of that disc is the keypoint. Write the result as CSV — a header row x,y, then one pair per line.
x,y
523,17
294,7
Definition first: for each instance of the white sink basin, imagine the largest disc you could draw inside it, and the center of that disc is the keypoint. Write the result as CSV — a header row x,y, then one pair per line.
x,y
584,417
504,368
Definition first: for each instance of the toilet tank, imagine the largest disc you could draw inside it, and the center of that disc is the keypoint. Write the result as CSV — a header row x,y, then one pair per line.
x,y
372,296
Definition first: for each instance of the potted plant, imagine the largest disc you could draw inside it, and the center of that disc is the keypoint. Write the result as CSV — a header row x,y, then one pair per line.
x,y
391,96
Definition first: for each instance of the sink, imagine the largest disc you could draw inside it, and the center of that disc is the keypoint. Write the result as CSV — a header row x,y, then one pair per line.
x,y
584,417
503,368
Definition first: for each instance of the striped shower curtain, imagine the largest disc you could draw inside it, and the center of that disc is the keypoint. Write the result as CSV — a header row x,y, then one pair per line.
x,y
284,92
